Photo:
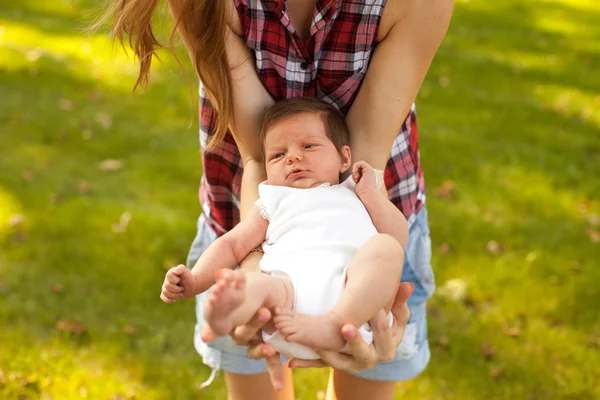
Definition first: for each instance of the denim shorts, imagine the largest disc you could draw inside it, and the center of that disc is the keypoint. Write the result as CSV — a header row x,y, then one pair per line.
x,y
412,355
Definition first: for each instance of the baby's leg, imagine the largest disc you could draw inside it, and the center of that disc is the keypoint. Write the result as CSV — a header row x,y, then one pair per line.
x,y
237,296
372,281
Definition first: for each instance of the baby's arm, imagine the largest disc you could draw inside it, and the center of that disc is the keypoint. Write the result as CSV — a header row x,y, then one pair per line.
x,y
226,252
386,217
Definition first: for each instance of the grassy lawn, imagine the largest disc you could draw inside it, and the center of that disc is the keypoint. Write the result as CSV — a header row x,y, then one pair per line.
x,y
98,194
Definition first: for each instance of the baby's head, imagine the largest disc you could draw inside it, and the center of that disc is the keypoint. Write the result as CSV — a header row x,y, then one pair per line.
x,y
305,143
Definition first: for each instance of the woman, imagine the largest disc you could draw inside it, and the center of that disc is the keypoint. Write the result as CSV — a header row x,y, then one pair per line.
x,y
366,57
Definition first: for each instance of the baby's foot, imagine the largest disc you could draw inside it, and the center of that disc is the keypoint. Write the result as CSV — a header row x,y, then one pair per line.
x,y
225,297
314,331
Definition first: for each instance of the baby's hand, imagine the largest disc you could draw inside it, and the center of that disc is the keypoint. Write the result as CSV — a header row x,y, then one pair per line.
x,y
364,176
179,284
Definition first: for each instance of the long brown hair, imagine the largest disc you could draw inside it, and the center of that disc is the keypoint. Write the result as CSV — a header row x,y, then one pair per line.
x,y
205,25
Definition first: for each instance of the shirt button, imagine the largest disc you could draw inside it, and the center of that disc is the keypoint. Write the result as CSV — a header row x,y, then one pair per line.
x,y
304,66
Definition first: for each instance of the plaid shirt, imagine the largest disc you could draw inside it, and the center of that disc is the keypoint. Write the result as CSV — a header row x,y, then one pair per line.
x,y
330,65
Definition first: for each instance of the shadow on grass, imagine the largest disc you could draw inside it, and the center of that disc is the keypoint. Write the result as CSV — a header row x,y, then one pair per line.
x,y
111,279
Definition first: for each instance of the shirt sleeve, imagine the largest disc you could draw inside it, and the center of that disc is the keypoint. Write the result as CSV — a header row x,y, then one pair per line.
x,y
262,209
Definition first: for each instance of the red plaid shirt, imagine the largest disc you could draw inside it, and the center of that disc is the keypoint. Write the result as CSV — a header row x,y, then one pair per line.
x,y
330,65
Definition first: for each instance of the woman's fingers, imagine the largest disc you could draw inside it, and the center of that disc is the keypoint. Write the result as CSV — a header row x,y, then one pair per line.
x,y
300,363
259,350
363,355
244,333
400,311
382,337
341,361
207,334
275,370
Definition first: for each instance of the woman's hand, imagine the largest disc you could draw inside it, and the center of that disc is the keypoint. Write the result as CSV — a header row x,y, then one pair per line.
x,y
385,340
250,335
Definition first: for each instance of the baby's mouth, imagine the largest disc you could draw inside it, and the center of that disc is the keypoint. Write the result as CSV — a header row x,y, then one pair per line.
x,y
297,173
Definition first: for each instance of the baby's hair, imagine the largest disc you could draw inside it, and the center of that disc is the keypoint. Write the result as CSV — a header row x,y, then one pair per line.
x,y
335,125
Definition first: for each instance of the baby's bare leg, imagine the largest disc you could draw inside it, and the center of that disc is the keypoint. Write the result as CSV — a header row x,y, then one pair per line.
x,y
372,281
237,296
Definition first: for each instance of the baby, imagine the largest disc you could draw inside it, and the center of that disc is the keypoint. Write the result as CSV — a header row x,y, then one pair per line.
x,y
325,264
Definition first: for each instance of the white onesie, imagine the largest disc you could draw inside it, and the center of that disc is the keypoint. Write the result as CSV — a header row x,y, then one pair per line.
x,y
312,237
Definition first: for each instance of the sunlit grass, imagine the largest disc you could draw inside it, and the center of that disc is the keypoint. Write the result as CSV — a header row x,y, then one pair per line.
x,y
508,115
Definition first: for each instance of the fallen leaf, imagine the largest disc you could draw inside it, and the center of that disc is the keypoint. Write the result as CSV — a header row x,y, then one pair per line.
x,y
576,266
54,198
86,134
111,165
95,95
594,220
33,55
594,235
488,351
495,372
70,326
584,207
65,104
28,175
443,341
130,330
15,220
15,376
494,247
104,120
18,236
121,226
445,190
444,81
83,186
57,288
514,332
445,248
454,289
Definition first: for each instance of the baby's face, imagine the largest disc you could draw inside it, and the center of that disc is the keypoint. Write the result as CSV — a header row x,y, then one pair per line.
x,y
299,154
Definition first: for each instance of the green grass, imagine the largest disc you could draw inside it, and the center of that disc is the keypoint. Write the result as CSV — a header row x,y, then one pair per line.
x,y
508,113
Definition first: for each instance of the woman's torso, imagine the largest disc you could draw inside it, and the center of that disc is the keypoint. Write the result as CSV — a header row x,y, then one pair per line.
x,y
329,61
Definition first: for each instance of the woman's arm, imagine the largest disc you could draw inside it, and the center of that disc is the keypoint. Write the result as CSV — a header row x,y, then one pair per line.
x,y
397,69
250,101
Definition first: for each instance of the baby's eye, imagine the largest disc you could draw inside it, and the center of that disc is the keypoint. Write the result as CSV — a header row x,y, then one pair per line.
x,y
309,146
278,155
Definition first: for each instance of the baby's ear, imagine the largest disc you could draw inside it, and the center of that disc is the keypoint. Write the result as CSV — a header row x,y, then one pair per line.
x,y
346,158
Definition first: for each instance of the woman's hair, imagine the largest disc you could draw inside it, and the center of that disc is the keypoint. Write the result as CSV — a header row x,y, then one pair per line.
x,y
335,124
204,22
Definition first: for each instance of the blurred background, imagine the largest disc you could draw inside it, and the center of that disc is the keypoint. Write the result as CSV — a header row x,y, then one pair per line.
x,y
98,197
